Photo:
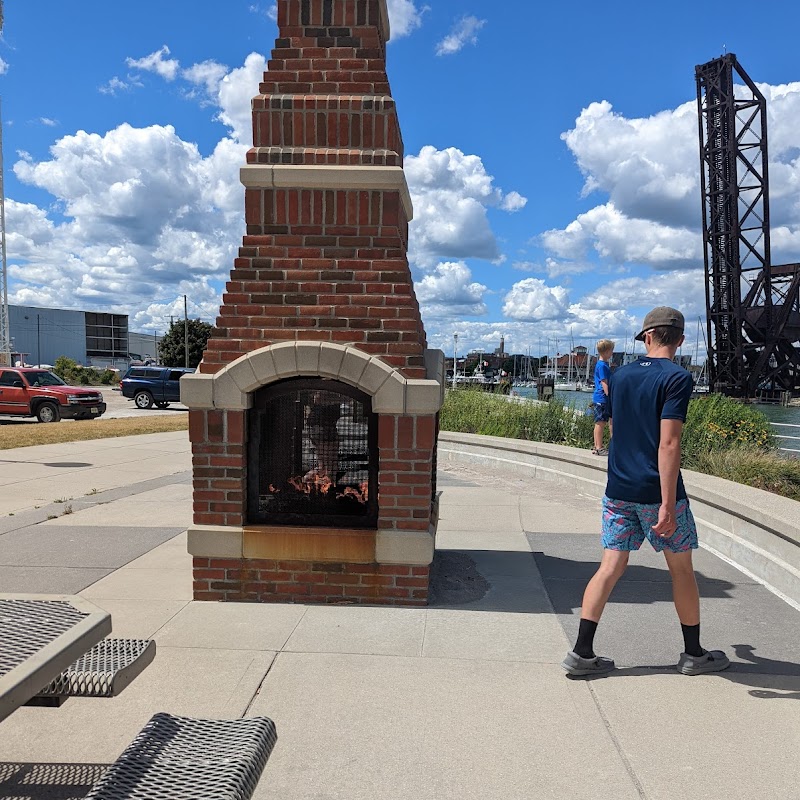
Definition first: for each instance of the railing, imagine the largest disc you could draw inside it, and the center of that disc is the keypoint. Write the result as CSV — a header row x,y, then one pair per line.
x,y
790,440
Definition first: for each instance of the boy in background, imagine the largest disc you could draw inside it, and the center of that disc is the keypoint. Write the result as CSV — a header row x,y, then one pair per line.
x,y
602,378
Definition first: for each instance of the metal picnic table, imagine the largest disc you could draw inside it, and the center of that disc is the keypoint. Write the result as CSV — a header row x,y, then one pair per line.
x,y
40,636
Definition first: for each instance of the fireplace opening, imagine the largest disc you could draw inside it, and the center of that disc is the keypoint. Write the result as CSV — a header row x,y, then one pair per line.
x,y
312,455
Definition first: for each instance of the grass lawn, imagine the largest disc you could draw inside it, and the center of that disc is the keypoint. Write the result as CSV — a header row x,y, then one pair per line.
x,y
28,434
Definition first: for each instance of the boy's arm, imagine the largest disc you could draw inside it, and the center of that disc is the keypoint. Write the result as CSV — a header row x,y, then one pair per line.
x,y
604,384
669,464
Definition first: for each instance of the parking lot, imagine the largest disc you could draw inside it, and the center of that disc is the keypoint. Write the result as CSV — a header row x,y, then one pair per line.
x,y
117,407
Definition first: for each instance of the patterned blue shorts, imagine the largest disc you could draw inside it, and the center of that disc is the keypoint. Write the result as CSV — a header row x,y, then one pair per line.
x,y
626,524
600,412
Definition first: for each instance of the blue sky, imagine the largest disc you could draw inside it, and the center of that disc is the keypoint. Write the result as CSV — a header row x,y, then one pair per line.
x,y
551,155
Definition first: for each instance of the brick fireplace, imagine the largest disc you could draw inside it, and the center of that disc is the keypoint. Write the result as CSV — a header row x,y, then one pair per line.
x,y
314,413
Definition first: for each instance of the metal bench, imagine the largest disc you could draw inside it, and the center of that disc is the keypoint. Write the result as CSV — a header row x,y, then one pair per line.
x,y
190,759
104,671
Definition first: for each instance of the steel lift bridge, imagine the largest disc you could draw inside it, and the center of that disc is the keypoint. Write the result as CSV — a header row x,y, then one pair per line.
x,y
753,307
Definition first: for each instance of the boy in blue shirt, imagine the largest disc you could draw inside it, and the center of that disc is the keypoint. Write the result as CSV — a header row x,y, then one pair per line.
x,y
602,381
645,496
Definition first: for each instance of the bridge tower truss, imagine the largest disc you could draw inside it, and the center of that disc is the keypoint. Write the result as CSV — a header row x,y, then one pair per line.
x,y
753,307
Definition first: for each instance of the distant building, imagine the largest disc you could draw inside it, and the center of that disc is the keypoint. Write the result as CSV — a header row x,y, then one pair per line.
x,y
41,335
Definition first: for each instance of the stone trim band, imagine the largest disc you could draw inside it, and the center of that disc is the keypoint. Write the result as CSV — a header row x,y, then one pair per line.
x,y
313,176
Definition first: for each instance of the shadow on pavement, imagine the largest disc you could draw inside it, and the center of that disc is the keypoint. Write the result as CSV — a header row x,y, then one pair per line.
x,y
765,676
25,781
566,578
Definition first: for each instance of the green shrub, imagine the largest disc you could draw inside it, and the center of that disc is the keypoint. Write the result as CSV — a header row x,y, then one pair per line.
x,y
717,423
471,410
722,437
753,466
71,372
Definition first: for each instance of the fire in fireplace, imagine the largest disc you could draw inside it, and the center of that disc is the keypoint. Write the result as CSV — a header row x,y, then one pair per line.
x,y
313,455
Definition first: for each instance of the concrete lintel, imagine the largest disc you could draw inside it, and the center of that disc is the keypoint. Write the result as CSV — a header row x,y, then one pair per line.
x,y
330,359
423,396
243,374
197,391
343,177
263,365
434,364
307,358
285,357
228,396
212,541
415,548
391,397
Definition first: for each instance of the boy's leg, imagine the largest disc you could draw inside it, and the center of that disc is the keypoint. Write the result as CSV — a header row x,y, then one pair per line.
x,y
678,553
685,594
582,660
622,533
598,590
599,427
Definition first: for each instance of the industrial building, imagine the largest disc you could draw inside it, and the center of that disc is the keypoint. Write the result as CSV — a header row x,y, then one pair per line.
x,y
41,335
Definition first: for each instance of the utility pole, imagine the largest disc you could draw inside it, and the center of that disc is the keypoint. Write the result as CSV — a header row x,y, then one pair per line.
x,y
455,358
5,333
186,328
155,346
38,343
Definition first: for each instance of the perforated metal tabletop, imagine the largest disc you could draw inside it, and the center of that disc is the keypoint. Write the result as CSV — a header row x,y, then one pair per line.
x,y
40,636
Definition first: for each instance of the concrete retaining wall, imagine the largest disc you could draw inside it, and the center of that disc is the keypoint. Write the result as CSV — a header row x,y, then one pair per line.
x,y
756,530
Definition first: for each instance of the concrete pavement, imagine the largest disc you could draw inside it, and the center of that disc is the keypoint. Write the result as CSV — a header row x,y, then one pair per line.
x,y
464,699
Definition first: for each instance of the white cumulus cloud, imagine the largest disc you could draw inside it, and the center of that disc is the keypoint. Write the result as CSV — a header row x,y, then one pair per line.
x,y
622,239
157,62
236,90
451,193
533,300
450,291
649,170
207,74
464,32
139,217
404,17
682,289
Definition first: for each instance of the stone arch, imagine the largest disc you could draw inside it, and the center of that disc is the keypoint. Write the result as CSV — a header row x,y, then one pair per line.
x,y
232,387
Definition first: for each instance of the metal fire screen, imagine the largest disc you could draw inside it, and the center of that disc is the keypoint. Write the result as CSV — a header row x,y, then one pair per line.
x,y
313,455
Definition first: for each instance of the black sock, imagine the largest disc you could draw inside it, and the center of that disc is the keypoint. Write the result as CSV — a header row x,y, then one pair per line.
x,y
691,640
584,645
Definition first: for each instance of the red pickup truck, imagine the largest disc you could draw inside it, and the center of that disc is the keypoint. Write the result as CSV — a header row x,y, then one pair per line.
x,y
27,392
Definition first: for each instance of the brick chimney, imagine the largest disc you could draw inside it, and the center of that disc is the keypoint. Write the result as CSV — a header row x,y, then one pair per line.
x,y
320,299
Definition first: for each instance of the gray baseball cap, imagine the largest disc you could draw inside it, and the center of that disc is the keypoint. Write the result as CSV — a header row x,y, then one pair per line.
x,y
661,317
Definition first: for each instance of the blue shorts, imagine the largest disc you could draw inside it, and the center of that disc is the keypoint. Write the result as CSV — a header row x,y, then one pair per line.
x,y
600,412
626,524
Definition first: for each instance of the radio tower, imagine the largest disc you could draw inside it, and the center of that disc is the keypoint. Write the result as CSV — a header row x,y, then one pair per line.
x,y
5,336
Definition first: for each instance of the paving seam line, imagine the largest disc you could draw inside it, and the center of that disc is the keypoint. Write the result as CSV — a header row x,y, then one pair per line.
x,y
260,683
30,517
617,745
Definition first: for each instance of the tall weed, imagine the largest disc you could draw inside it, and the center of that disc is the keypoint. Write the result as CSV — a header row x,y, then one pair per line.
x,y
721,437
716,423
472,410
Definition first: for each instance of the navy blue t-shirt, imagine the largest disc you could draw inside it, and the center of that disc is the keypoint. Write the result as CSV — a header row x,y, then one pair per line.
x,y
641,395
